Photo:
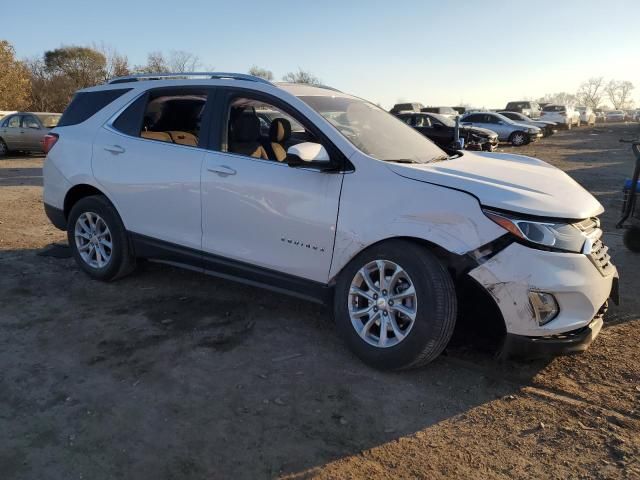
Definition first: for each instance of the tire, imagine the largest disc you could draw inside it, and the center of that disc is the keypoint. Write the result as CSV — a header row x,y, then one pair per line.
x,y
433,306
631,239
4,150
518,139
120,260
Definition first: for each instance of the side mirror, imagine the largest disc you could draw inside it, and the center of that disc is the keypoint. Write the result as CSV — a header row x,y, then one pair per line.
x,y
308,154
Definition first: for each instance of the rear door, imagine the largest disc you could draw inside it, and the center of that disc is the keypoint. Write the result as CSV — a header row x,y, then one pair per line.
x,y
149,161
32,133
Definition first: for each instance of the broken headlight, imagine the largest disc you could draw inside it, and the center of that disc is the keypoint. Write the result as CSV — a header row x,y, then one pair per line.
x,y
551,234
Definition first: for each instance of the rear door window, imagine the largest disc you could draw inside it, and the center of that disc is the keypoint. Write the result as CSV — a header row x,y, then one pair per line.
x,y
166,115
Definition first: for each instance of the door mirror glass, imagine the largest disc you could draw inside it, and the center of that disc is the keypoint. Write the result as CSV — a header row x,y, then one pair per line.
x,y
303,154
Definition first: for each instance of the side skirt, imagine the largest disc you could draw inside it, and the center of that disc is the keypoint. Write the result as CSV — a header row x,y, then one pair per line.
x,y
221,267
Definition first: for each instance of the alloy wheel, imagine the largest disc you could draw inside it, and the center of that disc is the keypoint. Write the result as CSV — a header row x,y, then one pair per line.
x,y
93,240
382,303
518,139
3,148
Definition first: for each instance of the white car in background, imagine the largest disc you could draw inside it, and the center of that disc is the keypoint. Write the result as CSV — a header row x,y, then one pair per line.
x,y
587,115
615,116
563,115
356,210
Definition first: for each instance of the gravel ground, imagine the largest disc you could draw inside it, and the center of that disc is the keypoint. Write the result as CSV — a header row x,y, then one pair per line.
x,y
170,374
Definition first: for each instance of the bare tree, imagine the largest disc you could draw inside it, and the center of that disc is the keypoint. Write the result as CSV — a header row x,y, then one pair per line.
x,y
560,98
619,93
302,76
261,72
181,61
156,63
590,92
117,65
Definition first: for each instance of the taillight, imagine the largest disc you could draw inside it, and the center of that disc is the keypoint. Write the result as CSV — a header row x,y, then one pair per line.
x,y
49,141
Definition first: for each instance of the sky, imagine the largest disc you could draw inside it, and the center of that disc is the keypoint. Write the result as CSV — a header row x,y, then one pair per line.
x,y
480,53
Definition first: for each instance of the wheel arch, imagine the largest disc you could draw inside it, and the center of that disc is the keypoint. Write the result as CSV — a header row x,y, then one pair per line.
x,y
78,192
455,263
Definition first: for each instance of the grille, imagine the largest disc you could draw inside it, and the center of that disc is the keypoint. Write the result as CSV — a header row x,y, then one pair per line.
x,y
599,254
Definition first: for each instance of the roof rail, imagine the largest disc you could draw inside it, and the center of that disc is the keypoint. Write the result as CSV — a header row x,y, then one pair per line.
x,y
167,76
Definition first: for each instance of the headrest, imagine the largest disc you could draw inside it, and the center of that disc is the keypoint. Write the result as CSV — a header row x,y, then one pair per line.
x,y
246,128
280,130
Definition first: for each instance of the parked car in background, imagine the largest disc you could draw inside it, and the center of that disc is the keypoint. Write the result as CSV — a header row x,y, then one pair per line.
x,y
548,128
406,107
440,129
587,115
359,212
601,115
563,115
24,131
461,110
508,131
526,107
615,116
636,115
446,111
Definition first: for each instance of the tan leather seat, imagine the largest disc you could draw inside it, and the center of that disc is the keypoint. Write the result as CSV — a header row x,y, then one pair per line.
x,y
246,133
183,138
279,132
161,136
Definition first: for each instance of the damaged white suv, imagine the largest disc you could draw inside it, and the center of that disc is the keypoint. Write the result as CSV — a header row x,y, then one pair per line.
x,y
309,191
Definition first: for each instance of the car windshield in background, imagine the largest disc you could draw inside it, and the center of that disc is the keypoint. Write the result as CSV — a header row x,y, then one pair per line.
x,y
554,108
49,121
374,131
444,119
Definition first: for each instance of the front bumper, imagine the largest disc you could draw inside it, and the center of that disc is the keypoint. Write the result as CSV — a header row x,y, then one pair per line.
x,y
578,285
570,342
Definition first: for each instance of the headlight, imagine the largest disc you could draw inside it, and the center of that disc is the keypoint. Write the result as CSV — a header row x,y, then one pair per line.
x,y
556,236
533,130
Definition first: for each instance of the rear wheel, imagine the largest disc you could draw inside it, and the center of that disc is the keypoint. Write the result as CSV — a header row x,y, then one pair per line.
x,y
518,138
98,239
395,305
4,150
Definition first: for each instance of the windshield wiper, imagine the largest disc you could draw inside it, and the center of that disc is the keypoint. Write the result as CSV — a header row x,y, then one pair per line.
x,y
402,160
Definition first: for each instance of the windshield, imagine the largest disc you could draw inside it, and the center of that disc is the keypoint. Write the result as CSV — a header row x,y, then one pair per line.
x,y
374,131
49,121
442,119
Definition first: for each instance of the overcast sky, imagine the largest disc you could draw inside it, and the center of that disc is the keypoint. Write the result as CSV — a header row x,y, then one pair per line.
x,y
483,53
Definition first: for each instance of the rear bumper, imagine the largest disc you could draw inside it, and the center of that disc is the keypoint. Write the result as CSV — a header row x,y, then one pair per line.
x,y
56,216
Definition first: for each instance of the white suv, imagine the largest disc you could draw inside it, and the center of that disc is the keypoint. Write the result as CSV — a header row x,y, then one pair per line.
x,y
564,115
313,192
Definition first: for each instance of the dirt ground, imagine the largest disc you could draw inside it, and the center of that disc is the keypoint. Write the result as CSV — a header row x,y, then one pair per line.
x,y
168,374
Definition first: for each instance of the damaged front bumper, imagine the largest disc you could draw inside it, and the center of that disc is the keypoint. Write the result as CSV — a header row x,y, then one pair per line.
x,y
580,289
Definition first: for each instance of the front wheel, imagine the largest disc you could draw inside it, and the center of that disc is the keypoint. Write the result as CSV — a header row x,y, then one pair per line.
x,y
395,305
518,138
98,239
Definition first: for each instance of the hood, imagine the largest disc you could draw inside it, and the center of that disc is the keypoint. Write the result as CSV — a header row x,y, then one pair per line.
x,y
509,182
479,131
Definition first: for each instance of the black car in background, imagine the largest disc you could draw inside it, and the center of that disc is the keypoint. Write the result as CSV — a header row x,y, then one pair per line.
x,y
441,130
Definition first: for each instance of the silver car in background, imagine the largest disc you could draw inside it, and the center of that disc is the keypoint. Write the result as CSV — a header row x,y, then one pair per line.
x,y
508,131
548,128
24,131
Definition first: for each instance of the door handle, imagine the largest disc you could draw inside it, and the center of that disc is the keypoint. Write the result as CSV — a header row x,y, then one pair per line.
x,y
222,170
115,149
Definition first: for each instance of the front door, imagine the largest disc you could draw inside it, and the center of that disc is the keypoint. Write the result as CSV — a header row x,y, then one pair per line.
x,y
12,133
257,209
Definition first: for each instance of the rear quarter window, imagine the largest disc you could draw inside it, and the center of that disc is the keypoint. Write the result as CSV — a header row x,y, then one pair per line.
x,y
86,104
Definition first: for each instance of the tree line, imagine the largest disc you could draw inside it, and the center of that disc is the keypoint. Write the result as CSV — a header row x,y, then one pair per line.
x,y
594,92
46,83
